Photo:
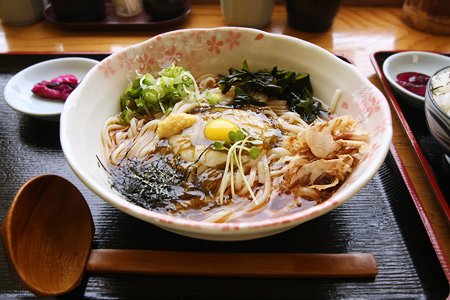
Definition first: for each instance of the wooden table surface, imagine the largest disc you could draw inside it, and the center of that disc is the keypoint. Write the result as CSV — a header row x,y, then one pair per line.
x,y
357,32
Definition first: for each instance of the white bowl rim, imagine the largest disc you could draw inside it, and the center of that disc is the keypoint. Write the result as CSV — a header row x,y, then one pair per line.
x,y
286,221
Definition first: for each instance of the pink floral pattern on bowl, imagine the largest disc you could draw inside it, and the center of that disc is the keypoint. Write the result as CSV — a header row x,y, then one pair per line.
x,y
215,51
176,47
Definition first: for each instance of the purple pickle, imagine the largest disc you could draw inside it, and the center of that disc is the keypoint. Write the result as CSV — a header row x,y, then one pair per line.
x,y
414,82
58,88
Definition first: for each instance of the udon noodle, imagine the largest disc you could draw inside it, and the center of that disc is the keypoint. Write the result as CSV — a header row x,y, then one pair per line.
x,y
298,166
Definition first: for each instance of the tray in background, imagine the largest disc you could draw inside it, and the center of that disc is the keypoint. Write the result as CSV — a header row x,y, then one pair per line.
x,y
113,22
427,150
385,218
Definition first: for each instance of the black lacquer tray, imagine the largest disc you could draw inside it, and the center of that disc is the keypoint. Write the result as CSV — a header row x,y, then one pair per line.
x,y
385,218
427,150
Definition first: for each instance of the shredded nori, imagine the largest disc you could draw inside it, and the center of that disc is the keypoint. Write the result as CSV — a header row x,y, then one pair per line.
x,y
156,185
151,185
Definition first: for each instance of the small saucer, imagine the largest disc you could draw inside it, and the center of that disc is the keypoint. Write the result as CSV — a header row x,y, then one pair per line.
x,y
422,62
18,93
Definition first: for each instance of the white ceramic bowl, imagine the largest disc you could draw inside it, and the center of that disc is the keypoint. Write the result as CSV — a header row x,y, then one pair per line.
x,y
438,120
18,93
215,50
413,61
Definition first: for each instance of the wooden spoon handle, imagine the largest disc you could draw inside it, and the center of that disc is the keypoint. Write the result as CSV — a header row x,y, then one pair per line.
x,y
232,264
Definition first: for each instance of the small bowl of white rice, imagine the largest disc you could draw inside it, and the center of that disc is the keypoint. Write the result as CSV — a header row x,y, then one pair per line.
x,y
437,109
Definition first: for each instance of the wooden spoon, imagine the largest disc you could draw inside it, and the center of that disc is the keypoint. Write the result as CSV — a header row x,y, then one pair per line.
x,y
48,235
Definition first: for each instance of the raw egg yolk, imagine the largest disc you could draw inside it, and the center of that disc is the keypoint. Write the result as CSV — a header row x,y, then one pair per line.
x,y
217,130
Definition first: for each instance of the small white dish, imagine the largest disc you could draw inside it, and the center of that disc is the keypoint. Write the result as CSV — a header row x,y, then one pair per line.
x,y
413,61
18,93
